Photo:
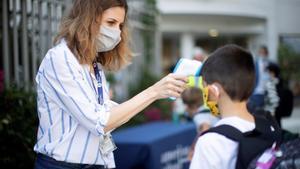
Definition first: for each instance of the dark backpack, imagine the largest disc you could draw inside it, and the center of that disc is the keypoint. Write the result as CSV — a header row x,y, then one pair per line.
x,y
289,158
286,103
252,143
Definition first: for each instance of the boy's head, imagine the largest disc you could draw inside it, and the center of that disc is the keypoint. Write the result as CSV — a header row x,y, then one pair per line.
x,y
232,69
192,98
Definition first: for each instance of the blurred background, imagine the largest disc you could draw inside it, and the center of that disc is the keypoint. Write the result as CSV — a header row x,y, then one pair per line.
x,y
163,31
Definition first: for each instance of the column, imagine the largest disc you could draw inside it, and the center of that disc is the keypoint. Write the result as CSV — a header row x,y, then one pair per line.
x,y
158,51
33,40
272,33
186,45
5,43
25,57
16,44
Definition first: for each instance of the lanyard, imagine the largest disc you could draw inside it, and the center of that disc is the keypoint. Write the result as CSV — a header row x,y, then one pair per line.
x,y
99,83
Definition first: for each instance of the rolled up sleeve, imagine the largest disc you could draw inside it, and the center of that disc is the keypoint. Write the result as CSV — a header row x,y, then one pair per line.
x,y
62,81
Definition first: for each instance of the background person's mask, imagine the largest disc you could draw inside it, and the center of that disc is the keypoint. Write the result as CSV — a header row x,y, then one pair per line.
x,y
107,39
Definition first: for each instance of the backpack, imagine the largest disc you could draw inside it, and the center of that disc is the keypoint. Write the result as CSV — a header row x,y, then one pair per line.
x,y
286,103
287,156
251,143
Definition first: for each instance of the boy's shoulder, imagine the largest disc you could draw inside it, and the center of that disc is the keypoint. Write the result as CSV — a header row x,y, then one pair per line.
x,y
215,138
215,149
238,123
262,124
214,143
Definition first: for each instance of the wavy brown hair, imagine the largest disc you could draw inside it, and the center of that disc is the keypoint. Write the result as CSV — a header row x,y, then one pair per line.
x,y
80,28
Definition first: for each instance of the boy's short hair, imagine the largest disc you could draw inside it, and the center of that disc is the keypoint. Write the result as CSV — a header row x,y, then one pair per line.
x,y
232,67
192,97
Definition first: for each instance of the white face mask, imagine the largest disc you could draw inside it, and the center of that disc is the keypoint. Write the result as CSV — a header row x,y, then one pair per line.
x,y
107,39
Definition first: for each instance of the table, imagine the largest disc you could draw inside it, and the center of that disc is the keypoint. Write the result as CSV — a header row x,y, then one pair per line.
x,y
156,145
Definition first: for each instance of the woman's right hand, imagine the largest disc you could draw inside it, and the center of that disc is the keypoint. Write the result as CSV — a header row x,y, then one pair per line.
x,y
171,85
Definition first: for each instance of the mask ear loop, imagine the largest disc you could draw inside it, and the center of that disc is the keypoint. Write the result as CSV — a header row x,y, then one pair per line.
x,y
213,105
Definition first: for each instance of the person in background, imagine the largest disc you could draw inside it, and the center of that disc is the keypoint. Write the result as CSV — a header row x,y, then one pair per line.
x,y
195,111
75,112
256,101
271,99
199,54
178,105
285,103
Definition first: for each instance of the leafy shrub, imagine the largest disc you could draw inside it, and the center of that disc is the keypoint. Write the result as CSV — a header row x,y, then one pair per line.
x,y
163,106
289,62
18,125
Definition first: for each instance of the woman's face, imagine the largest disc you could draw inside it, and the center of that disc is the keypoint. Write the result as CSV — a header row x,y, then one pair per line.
x,y
113,17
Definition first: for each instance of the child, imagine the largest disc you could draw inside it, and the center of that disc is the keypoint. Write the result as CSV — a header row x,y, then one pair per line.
x,y
228,81
271,94
196,111
284,105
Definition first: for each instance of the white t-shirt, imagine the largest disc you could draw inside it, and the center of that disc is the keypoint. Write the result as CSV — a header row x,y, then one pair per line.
x,y
215,151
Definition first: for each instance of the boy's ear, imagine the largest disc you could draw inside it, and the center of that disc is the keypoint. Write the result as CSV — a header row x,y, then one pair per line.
x,y
214,89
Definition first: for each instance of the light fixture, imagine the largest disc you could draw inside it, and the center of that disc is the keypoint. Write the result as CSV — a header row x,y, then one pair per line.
x,y
213,33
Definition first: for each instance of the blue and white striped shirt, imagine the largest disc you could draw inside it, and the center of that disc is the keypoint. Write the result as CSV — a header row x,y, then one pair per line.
x,y
71,122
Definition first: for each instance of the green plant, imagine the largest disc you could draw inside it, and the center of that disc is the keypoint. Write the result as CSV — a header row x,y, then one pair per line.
x,y
289,62
110,78
164,106
18,124
148,19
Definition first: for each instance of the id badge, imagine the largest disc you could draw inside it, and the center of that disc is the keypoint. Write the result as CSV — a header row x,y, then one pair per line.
x,y
107,145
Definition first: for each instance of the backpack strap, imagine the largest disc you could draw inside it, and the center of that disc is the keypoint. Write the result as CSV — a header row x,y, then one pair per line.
x,y
267,127
228,131
261,136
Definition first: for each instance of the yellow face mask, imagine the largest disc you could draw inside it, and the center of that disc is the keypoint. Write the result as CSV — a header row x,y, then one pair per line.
x,y
212,105
194,81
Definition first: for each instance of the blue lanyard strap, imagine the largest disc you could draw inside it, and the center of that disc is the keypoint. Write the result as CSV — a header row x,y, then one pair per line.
x,y
99,83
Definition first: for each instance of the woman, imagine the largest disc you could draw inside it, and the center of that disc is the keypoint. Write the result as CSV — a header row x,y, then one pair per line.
x,y
74,110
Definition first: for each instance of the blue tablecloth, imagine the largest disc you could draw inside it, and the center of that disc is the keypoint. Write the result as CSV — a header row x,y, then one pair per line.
x,y
157,145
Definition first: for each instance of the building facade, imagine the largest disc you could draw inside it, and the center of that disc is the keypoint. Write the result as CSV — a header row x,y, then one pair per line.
x,y
185,24
29,26
27,31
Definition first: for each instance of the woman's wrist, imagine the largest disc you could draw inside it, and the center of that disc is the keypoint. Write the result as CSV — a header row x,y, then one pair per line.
x,y
152,93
